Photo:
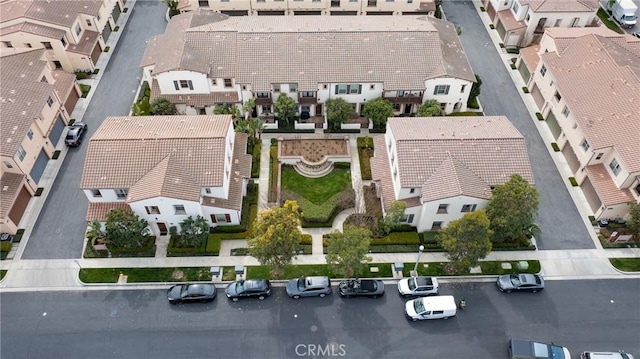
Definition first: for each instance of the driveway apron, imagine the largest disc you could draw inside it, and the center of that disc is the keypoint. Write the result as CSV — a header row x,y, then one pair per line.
x,y
559,219
59,230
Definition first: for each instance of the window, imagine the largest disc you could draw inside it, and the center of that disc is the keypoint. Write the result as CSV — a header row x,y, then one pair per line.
x,y
543,70
7,164
615,167
203,3
49,101
98,17
372,87
599,156
441,90
372,3
89,22
462,88
263,94
276,87
179,209
574,22
44,79
21,153
207,190
266,108
354,89
442,208
396,107
244,87
515,7
57,64
325,86
30,134
220,218
183,84
7,44
468,207
121,192
28,45
637,189
335,3
557,96
409,1
152,209
585,145
228,83
293,87
78,29
305,108
348,89
412,191
96,193
566,111
341,89
407,218
308,94
443,106
63,41
436,226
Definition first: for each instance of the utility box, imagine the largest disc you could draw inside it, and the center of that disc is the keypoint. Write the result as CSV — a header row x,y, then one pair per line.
x,y
523,265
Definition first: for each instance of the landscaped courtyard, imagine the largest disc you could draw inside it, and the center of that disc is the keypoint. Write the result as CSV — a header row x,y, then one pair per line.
x,y
312,150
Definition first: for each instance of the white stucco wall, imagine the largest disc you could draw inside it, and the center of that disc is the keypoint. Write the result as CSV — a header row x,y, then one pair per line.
x,y
429,214
458,92
166,79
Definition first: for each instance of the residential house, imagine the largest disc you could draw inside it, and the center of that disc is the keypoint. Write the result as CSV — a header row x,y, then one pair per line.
x,y
586,83
35,102
521,23
73,32
167,168
206,58
312,7
444,167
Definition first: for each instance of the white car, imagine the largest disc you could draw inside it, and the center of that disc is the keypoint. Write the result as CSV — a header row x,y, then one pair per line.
x,y
418,286
442,307
606,355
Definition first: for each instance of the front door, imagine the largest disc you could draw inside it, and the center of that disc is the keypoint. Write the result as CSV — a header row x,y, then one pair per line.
x,y
162,227
407,108
319,109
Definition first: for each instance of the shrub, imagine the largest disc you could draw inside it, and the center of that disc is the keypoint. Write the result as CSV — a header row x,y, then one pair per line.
x,y
491,26
106,49
539,116
501,45
365,152
398,238
323,212
513,60
39,191
72,121
95,71
482,9
213,245
513,66
85,90
513,50
125,10
116,29
175,250
236,232
81,75
18,237
573,181
306,239
525,89
147,249
473,103
555,147
56,154
255,166
143,91
466,113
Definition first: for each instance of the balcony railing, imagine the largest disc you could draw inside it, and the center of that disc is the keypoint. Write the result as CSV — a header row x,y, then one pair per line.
x,y
307,100
417,99
264,101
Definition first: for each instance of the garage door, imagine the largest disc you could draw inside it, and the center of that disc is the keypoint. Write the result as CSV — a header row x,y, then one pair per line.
x,y
95,54
39,166
71,101
524,72
106,31
537,96
591,195
57,129
116,13
553,125
570,156
19,206
501,30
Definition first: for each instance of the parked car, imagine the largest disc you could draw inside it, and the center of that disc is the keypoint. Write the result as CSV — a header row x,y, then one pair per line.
x,y
636,34
521,282
418,286
620,354
361,288
442,307
308,287
527,349
75,134
191,292
260,288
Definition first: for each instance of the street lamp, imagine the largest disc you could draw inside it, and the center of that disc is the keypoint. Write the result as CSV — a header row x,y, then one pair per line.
x,y
415,268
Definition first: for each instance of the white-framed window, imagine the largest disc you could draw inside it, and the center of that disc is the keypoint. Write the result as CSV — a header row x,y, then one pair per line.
x,y
276,87
152,209
515,7
8,44
183,84
442,209
412,191
96,193
342,89
30,134
21,153
372,3
7,164
436,226
262,94
543,69
308,94
557,96
468,207
615,166
179,209
228,83
89,22
293,87
441,90
49,101
78,29
207,190
566,111
462,88
121,192
350,89
203,3
585,145
407,218
47,45
599,156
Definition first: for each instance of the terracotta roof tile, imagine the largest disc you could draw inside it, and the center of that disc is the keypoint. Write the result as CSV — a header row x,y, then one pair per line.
x,y
562,5
509,21
10,185
381,172
59,12
64,83
36,29
168,179
452,179
86,44
606,189
97,211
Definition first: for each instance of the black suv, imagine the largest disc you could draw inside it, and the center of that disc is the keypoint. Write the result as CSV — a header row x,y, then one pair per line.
x,y
74,136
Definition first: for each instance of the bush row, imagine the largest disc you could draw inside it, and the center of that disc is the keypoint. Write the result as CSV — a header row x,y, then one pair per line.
x,y
323,212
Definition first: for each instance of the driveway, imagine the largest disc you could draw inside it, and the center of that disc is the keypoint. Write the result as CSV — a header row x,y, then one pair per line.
x,y
59,230
559,219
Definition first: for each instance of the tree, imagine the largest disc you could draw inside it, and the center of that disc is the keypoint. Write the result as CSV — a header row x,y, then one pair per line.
x,y
124,229
430,108
378,110
95,234
466,240
285,107
173,7
338,111
141,108
247,108
252,127
393,215
228,109
194,231
162,106
348,250
634,222
474,93
277,236
513,209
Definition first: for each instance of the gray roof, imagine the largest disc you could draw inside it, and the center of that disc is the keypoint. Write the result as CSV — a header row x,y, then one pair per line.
x,y
59,12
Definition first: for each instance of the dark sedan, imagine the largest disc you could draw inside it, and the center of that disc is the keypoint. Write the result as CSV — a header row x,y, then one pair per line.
x,y
191,292
361,288
258,288
520,282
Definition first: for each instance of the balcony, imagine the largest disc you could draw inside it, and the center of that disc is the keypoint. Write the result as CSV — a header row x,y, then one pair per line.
x,y
264,101
407,98
307,100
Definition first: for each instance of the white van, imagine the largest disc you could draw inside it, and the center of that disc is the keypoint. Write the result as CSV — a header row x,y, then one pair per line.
x,y
441,307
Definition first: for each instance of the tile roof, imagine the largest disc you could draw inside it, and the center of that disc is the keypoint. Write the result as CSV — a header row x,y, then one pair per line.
x,y
489,146
10,184
258,50
97,211
530,56
600,81
561,5
197,100
509,21
381,172
59,12
452,179
36,29
564,36
197,143
64,83
167,179
22,95
606,189
86,44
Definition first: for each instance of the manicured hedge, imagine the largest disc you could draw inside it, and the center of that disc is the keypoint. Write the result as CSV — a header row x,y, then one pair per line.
x,y
213,244
5,247
323,212
255,166
398,238
173,251
219,233
306,239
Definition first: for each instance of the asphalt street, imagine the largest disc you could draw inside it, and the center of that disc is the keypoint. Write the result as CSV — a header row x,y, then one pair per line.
x,y
559,219
60,227
581,315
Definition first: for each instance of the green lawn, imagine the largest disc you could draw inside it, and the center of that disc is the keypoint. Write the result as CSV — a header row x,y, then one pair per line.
x,y
137,275
611,24
3,272
626,264
316,190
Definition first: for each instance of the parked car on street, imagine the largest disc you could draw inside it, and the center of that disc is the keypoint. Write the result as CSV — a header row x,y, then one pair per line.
x,y
442,307
520,282
620,354
418,286
191,292
75,134
371,288
309,287
527,349
257,288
